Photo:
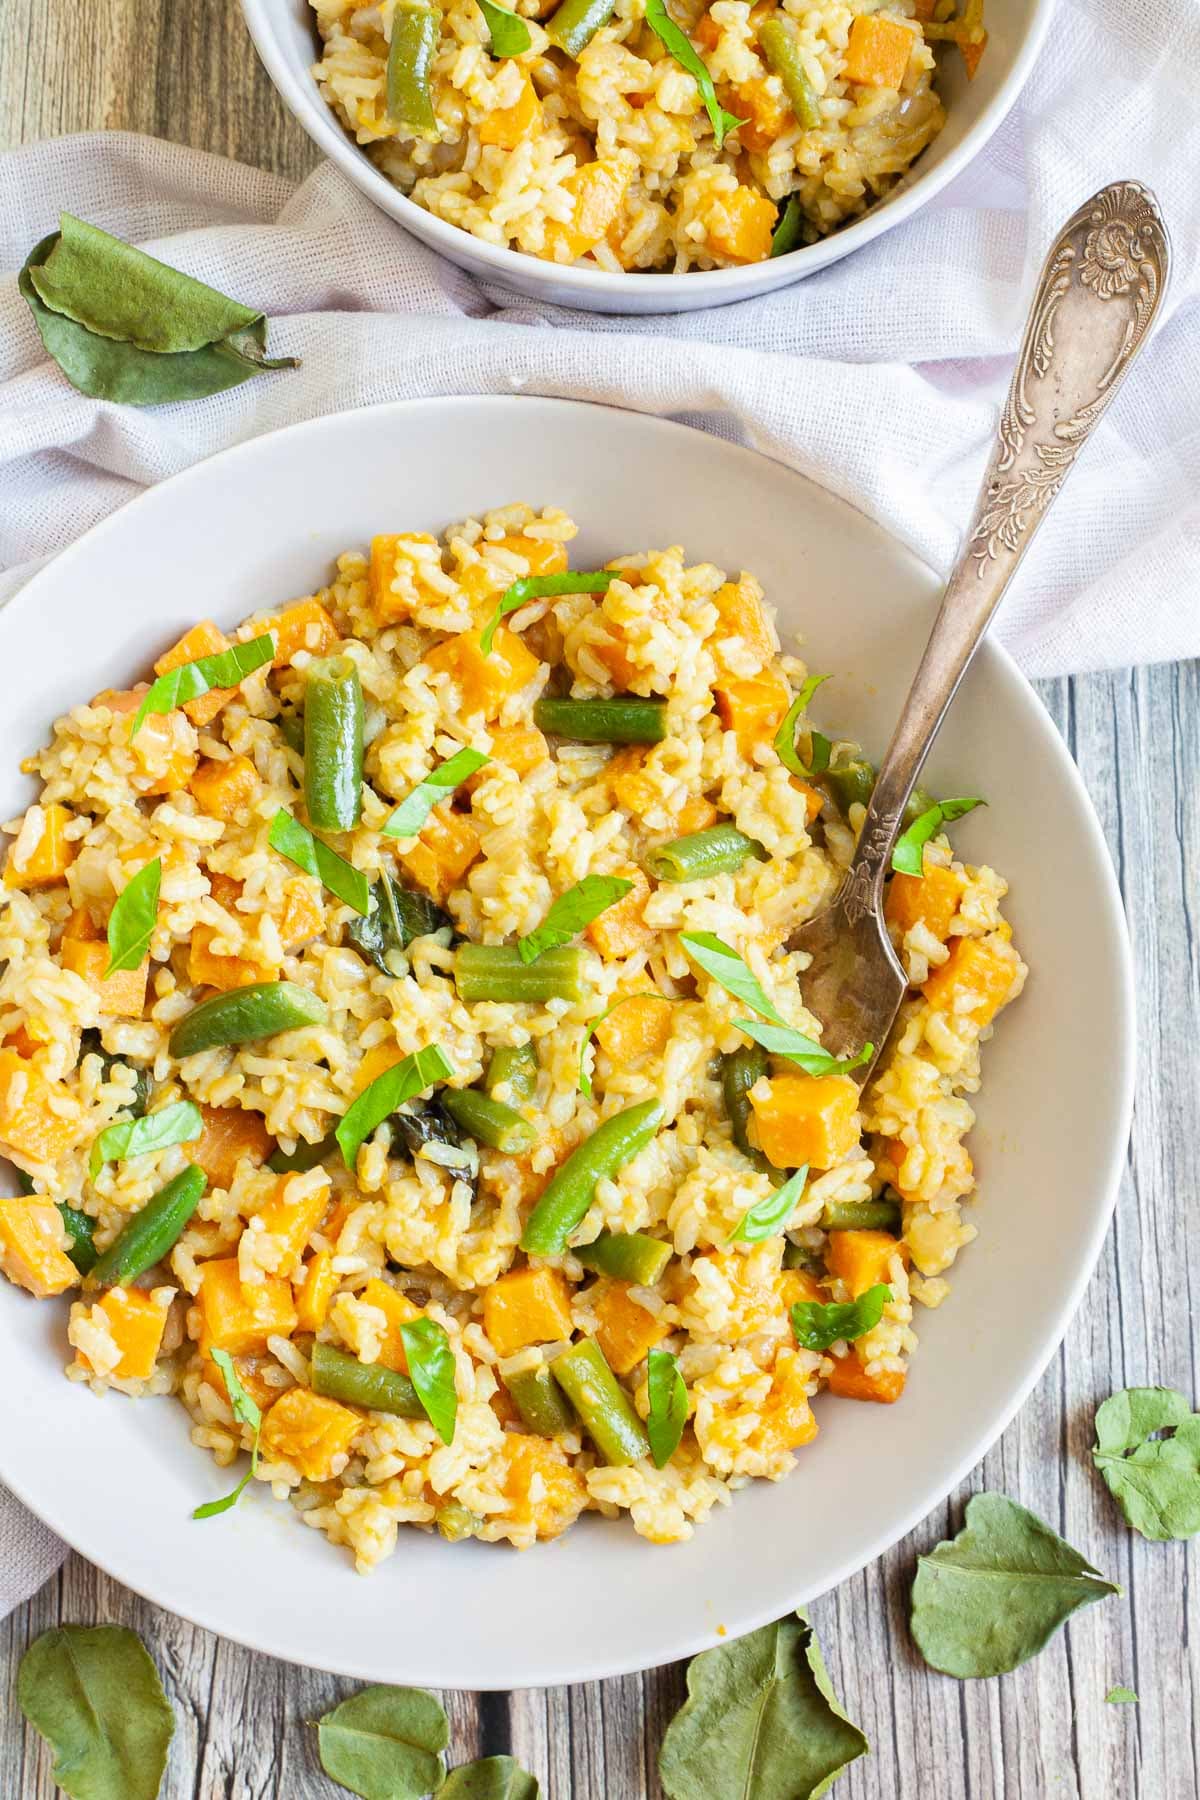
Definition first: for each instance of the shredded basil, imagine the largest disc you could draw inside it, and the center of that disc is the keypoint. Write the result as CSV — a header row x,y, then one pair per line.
x,y
769,1218
688,57
908,858
431,1371
572,912
298,844
223,669
509,34
416,807
403,1081
179,1123
805,1052
246,1412
132,920
668,1405
541,587
785,737
789,231
816,1326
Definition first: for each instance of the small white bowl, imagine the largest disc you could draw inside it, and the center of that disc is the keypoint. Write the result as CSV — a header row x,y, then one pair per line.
x,y
284,32
261,523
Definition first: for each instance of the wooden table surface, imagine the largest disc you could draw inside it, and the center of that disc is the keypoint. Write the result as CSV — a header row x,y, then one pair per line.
x,y
185,69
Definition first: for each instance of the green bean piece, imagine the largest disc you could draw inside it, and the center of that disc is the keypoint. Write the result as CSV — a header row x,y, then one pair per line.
x,y
291,725
740,1069
489,1121
150,1233
496,972
862,1215
850,783
799,1256
411,50
626,1256
721,850
778,43
455,1523
342,1377
244,1016
571,1188
574,24
333,744
919,801
80,1228
540,1401
622,720
604,1409
515,1067
303,1157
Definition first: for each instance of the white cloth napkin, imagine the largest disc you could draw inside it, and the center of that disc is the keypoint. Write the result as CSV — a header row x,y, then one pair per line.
x,y
878,377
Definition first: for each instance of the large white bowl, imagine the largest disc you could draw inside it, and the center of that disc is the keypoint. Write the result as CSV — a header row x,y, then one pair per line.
x,y
284,33
261,523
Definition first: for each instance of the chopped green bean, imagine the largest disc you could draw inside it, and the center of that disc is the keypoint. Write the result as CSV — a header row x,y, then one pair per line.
x,y
80,1228
602,1405
514,1067
920,801
497,972
333,744
799,1256
489,1121
721,850
573,1184
850,782
779,45
303,1157
149,1234
342,1377
540,1401
574,24
245,1015
740,1069
411,50
861,1215
626,1256
455,1523
623,720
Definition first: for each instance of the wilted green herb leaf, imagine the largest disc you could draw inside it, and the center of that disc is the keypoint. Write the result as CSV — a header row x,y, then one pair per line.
x,y
789,231
688,57
300,846
397,917
223,669
385,1743
416,807
572,912
404,1081
771,1215
816,1326
492,1778
132,920
95,1696
544,587
785,737
1155,1481
668,1406
728,969
509,34
805,1052
246,1412
986,1601
1121,1696
761,1722
431,1370
908,858
178,1123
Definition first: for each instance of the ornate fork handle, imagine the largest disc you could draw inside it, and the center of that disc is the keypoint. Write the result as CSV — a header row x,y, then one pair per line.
x,y
1099,291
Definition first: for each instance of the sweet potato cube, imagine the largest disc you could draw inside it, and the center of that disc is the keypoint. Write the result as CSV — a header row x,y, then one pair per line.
x,y
545,556
207,969
230,1133
315,1289
975,980
50,857
520,748
311,1432
398,1310
251,1372
971,53
530,1306
740,225
163,751
740,615
930,899
202,640
292,1220
798,1284
240,1317
484,682
850,1380
764,114
696,814
878,51
626,1331
122,994
862,1259
224,790
443,853
753,709
542,1488
306,626
33,1247
39,1119
806,1119
511,125
136,1325
393,573
629,783
639,1026
813,801
302,914
597,192
621,929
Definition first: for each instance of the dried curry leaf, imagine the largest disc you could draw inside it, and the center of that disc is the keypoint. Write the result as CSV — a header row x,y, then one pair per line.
x,y
491,1778
761,1722
986,1601
385,1743
95,1696
1155,1481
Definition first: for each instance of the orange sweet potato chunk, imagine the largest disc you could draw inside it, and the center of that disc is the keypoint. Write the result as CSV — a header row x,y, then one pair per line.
x,y
850,1380
202,640
317,1285
39,1119
241,1317
484,682
862,1258
301,917
975,980
224,790
597,191
639,1026
310,1431
806,1119
511,125
136,1326
752,709
541,1487
740,615
741,225
443,853
398,1310
122,994
625,1330
50,857
621,929
292,1221
32,1247
530,1306
305,626
878,51
230,1132
520,748
930,899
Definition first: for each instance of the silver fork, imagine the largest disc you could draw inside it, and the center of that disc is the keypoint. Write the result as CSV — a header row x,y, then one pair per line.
x,y
1097,297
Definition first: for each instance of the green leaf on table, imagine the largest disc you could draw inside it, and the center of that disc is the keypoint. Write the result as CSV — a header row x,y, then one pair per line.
x,y
680,46
545,587
95,1696
416,806
431,1371
132,920
785,737
509,34
668,1406
770,1216
123,326
1121,1696
491,1778
815,1325
987,1600
302,847
761,1722
805,1052
380,1098
1154,1480
385,1743
223,669
908,858
572,912
729,970
246,1412
178,1123
788,234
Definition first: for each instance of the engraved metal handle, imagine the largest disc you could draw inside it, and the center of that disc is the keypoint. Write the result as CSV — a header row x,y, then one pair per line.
x,y
1099,291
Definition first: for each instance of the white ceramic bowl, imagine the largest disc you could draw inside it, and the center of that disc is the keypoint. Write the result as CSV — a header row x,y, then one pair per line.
x,y
284,33
261,523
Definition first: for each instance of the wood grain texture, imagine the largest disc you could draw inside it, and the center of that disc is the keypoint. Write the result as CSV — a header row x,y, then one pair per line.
x,y
187,71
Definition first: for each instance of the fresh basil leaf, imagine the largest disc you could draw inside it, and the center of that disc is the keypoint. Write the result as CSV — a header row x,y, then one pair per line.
x,y
95,1696
491,1778
585,1080
300,846
179,1123
805,1052
380,1098
769,1218
816,1326
1121,1696
543,587
761,1721
223,669
986,1601
509,34
729,970
668,1406
385,1743
246,1412
789,231
416,807
132,920
431,1371
572,912
1155,1481
397,918
688,57
908,858
785,737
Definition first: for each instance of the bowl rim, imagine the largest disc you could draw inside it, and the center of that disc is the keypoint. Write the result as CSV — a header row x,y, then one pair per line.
x,y
714,287
66,1523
